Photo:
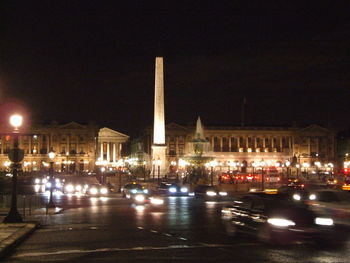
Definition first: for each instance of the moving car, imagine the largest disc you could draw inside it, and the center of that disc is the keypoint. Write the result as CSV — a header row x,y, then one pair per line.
x,y
97,190
209,192
131,189
173,189
277,219
334,203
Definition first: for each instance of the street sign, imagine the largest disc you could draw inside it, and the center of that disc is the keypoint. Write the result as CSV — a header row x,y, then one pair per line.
x,y
16,155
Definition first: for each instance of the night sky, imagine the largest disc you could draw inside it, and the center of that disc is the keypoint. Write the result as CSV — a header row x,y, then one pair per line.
x,y
94,61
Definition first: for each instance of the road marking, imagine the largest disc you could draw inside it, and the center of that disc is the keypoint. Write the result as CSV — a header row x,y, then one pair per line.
x,y
140,227
99,250
154,231
166,234
182,238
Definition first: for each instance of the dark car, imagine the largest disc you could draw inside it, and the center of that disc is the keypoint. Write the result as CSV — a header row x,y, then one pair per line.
x,y
277,219
173,189
131,189
208,192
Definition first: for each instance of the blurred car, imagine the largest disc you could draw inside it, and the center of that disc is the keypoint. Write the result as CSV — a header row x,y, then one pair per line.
x,y
276,219
334,203
296,191
131,189
145,199
209,192
173,189
97,190
75,188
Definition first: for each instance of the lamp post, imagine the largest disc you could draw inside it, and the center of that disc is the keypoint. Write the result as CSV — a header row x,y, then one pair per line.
x,y
262,165
51,203
102,174
287,163
154,167
16,156
159,162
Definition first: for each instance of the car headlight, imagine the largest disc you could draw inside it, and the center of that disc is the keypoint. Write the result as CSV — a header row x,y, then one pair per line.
x,y
296,197
312,197
223,193
48,185
58,185
145,191
172,190
211,193
184,189
157,201
44,181
57,180
133,191
324,221
69,188
78,187
139,198
103,191
93,191
281,222
37,181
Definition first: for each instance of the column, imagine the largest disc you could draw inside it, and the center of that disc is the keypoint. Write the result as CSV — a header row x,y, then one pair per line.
x,y
309,145
108,153
272,142
264,142
114,154
238,143
221,144
229,144
255,143
318,145
247,142
101,151
177,145
281,144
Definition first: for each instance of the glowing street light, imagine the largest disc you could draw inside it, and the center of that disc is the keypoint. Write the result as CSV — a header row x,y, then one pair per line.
x,y
16,121
51,203
16,156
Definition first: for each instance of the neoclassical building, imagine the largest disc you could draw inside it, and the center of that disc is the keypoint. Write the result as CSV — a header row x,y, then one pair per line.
x,y
248,145
77,147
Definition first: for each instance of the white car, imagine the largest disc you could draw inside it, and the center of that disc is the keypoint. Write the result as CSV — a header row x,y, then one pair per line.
x,y
333,203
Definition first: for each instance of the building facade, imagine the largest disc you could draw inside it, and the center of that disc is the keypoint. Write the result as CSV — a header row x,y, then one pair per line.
x,y
248,146
77,147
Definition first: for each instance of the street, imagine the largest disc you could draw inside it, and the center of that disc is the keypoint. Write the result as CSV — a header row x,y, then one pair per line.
x,y
184,229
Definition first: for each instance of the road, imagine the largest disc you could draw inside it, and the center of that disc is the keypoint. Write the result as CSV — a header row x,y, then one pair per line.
x,y
111,229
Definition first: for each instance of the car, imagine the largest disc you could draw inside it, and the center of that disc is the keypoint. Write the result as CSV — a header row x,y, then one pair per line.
x,y
335,203
97,190
276,219
145,199
209,192
75,188
131,189
173,189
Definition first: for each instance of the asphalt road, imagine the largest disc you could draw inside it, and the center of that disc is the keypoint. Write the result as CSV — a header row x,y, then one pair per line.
x,y
183,230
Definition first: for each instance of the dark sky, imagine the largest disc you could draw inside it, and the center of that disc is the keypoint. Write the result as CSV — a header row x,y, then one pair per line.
x,y
94,61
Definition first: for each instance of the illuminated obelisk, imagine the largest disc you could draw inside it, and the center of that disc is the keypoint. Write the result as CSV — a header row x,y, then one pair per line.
x,y
159,147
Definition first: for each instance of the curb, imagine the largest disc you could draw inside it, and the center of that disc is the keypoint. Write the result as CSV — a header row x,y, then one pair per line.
x,y
13,240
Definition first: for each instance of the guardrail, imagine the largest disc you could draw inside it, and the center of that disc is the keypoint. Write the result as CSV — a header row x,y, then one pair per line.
x,y
25,203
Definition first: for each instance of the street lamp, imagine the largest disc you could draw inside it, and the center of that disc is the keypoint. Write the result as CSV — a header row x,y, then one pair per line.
x,y
262,165
287,163
159,162
16,156
103,169
51,203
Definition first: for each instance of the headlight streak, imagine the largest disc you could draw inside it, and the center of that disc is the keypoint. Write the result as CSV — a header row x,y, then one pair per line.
x,y
184,189
280,222
297,197
172,190
324,221
211,193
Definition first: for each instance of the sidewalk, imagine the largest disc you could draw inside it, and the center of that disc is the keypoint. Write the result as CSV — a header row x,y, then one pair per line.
x,y
13,234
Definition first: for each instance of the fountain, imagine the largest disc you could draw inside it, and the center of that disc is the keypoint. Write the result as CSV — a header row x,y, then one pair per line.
x,y
198,156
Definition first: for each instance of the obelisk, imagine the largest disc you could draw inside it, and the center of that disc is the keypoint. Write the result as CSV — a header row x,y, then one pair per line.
x,y
159,146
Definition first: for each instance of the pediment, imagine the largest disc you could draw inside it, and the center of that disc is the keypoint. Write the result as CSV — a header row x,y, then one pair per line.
x,y
314,128
107,132
72,125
